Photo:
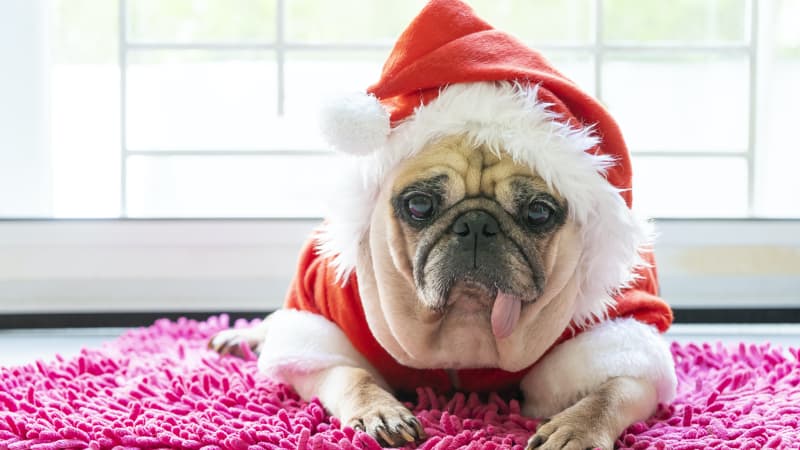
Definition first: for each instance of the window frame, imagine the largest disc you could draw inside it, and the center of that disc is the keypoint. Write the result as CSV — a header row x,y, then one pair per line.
x,y
599,50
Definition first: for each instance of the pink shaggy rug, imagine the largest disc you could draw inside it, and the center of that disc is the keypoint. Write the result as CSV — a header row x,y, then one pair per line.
x,y
158,387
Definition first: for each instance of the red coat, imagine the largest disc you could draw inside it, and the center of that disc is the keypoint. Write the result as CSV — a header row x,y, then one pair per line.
x,y
314,289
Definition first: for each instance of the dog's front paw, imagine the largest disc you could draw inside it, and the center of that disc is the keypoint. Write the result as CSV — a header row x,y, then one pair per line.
x,y
391,423
572,430
230,342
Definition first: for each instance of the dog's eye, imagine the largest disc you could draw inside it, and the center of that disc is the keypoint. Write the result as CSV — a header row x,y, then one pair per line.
x,y
539,213
419,206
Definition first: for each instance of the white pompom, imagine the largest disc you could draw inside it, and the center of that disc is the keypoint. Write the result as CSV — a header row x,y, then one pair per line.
x,y
356,123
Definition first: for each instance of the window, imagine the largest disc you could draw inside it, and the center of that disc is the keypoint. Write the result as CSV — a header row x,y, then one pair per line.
x,y
205,108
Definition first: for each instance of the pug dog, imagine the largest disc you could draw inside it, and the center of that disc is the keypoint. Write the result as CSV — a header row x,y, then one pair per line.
x,y
486,243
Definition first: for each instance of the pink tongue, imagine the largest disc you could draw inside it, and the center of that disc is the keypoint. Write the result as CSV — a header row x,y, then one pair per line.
x,y
505,314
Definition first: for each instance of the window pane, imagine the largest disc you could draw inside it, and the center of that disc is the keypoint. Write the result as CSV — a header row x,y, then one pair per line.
x,y
578,66
366,21
777,149
201,20
84,31
238,186
383,20
59,109
85,140
674,20
692,103
782,24
25,184
198,100
84,109
541,22
345,72
690,187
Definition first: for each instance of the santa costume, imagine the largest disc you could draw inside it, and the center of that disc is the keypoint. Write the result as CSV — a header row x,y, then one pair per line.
x,y
451,73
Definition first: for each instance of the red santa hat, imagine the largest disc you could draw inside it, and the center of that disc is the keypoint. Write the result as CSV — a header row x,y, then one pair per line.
x,y
451,73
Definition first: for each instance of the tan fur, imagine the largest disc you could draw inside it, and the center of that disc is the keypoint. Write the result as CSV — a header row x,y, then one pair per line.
x,y
599,418
473,171
363,405
354,396
418,336
350,393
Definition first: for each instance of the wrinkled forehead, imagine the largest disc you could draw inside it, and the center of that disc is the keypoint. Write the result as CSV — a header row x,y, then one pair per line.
x,y
475,169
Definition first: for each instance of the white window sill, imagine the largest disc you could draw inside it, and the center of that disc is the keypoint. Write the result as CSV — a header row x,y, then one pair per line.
x,y
246,265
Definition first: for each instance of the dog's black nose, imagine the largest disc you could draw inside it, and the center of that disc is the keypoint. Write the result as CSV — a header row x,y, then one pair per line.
x,y
476,222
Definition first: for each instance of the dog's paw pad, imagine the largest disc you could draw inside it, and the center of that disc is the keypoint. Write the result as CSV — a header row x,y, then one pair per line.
x,y
234,341
393,426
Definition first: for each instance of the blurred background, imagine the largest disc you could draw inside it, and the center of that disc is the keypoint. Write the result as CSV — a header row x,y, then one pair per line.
x,y
163,155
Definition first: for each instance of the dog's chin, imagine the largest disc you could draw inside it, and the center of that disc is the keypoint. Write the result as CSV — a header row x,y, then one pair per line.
x,y
483,307
469,297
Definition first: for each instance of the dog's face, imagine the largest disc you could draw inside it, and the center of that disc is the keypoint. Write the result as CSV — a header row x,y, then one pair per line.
x,y
469,261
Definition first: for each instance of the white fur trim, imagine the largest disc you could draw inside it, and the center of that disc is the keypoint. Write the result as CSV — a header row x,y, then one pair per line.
x,y
621,347
348,217
300,342
508,116
356,123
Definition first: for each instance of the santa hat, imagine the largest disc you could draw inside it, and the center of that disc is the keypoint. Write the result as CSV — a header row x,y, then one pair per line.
x,y
451,73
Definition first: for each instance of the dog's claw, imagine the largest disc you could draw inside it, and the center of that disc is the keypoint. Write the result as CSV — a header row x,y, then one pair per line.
x,y
393,426
385,436
358,426
563,432
414,429
534,441
408,437
417,428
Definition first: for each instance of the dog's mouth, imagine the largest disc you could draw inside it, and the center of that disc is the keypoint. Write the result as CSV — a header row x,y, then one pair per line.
x,y
476,298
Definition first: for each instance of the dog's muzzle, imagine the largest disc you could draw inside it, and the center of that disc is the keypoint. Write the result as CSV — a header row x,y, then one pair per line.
x,y
476,256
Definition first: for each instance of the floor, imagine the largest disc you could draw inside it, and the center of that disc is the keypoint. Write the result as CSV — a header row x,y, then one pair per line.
x,y
25,346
